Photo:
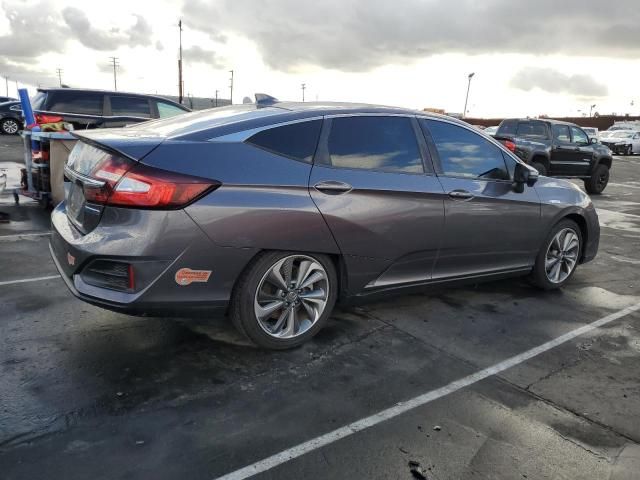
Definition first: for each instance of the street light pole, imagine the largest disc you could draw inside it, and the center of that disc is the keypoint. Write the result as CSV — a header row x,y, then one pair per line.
x,y
591,110
231,86
304,86
464,113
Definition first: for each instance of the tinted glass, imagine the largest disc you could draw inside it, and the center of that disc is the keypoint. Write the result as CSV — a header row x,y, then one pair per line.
x,y
130,107
37,102
561,133
375,143
464,153
166,110
532,130
579,136
76,102
297,140
508,127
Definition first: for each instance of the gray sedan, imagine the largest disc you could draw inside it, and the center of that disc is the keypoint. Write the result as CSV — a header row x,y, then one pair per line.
x,y
271,212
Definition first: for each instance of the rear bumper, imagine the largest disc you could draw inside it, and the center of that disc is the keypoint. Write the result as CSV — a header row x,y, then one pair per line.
x,y
158,244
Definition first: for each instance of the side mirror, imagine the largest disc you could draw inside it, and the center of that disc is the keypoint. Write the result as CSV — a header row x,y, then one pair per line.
x,y
593,140
524,175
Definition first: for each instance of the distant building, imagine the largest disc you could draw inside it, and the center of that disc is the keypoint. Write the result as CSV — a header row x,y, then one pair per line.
x,y
434,110
199,103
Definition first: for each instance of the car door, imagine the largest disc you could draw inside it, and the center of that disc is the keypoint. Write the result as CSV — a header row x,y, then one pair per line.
x,y
373,182
563,152
489,228
635,142
583,153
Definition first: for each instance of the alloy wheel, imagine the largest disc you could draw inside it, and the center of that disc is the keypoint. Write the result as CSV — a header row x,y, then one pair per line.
x,y
562,255
291,296
10,126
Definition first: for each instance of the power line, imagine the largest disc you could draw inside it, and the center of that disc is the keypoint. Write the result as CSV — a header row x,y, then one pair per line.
x,y
231,86
116,65
59,72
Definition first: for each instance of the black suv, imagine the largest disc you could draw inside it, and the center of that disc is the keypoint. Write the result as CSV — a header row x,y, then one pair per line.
x,y
100,108
558,149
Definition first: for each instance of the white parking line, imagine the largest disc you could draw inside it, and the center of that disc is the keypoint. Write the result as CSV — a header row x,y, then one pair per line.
x,y
27,280
624,185
403,407
18,236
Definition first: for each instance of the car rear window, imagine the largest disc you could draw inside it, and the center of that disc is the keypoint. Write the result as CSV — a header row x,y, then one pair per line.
x,y
296,140
86,103
130,106
532,130
508,127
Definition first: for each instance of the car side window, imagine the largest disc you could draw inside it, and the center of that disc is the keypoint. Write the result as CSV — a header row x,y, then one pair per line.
x,y
76,102
130,106
579,136
375,143
166,110
561,133
466,154
296,140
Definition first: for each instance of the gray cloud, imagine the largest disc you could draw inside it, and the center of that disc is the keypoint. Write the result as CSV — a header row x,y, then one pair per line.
x,y
552,81
354,35
27,75
85,33
34,30
197,54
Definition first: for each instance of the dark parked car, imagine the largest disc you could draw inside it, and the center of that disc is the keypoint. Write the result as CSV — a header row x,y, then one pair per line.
x,y
98,108
558,149
275,211
10,117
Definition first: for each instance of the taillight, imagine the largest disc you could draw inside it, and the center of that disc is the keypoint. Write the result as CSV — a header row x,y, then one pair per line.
x,y
130,184
510,145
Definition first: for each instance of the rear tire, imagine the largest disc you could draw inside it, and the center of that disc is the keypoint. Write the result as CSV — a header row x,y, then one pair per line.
x,y
542,170
558,257
275,306
9,126
598,181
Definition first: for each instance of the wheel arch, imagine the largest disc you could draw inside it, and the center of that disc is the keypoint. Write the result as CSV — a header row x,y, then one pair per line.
x,y
606,161
584,230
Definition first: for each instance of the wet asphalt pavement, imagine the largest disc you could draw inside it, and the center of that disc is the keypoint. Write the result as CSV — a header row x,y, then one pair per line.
x,y
86,393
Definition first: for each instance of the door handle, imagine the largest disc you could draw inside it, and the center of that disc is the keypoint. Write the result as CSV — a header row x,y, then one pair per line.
x,y
332,187
461,195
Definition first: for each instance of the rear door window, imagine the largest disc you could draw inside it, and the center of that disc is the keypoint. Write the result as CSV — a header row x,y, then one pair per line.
x,y
85,103
466,154
123,106
561,133
296,140
375,143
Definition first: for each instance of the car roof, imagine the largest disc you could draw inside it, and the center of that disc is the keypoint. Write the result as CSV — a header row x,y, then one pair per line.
x,y
110,92
548,120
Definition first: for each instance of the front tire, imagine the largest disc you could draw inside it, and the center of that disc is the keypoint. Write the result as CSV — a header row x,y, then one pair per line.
x,y
559,256
598,181
284,298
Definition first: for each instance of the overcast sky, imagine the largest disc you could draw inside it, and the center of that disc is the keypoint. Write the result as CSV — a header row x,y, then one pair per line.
x,y
545,57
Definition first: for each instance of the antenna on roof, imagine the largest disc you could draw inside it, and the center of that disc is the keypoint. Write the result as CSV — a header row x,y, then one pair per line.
x,y
262,99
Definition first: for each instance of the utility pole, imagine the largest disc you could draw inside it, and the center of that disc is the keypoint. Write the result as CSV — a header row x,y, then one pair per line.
x,y
304,86
464,113
231,86
180,82
59,72
216,98
116,64
6,85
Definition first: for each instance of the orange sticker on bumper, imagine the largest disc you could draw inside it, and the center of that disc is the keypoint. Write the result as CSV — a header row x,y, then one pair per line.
x,y
186,276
